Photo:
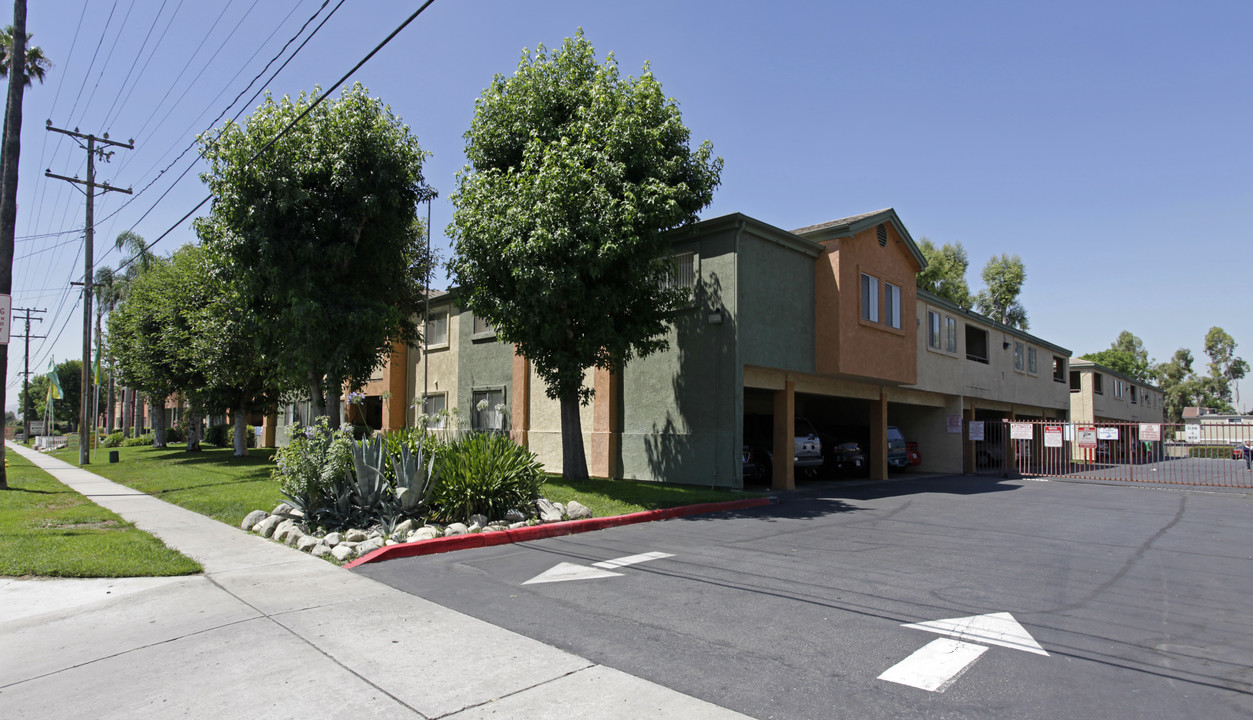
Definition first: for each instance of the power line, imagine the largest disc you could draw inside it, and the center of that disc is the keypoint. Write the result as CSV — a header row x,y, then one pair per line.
x,y
282,133
135,62
107,58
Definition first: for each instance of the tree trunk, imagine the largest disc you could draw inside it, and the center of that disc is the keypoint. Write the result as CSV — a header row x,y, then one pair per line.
x,y
10,151
240,413
158,422
317,403
193,430
111,412
573,459
128,412
141,415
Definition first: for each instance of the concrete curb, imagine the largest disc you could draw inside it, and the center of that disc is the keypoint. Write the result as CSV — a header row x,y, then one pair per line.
x,y
538,532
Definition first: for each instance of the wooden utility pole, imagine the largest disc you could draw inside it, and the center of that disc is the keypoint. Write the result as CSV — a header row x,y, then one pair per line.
x,y
85,412
26,372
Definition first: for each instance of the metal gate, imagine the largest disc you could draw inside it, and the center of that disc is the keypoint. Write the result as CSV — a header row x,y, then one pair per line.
x,y
1211,454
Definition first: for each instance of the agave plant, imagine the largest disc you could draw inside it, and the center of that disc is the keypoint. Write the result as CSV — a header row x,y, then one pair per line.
x,y
370,489
414,480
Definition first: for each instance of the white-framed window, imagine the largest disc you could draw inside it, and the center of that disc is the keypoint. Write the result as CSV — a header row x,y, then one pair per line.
x,y
1031,361
950,334
892,305
869,298
437,329
489,418
433,406
681,272
1019,356
933,329
1118,384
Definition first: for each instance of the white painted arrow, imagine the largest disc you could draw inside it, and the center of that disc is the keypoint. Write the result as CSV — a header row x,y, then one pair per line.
x,y
938,664
562,572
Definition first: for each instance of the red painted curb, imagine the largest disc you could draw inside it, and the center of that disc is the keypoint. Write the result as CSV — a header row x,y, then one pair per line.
x,y
538,532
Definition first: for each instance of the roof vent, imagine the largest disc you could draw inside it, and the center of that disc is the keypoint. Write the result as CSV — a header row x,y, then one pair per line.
x,y
882,232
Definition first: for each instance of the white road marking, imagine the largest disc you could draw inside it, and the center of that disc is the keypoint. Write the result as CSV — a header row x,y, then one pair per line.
x,y
562,572
631,560
992,629
935,666
569,571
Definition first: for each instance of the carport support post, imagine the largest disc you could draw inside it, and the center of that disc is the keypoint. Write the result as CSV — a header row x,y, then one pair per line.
x,y
520,420
879,437
784,443
968,456
268,430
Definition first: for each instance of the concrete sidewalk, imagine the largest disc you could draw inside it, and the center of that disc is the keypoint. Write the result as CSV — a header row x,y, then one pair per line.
x,y
271,632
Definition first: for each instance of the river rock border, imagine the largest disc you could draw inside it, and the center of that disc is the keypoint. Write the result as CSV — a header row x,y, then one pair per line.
x,y
283,525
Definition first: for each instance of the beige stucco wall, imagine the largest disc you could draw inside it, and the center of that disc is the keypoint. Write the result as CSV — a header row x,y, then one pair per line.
x,y
444,364
994,384
544,436
1088,406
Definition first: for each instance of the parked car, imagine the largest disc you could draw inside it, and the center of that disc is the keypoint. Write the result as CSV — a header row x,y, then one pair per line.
x,y
756,464
898,455
846,455
992,454
806,446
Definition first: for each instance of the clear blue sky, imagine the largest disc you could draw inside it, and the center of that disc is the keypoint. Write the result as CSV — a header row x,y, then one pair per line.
x,y
1106,143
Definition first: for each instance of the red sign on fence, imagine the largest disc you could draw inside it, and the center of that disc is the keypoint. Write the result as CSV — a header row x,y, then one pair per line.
x,y
1085,436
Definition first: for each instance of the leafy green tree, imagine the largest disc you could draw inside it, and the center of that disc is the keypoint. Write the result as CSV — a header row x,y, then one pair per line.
x,y
147,353
1003,277
575,175
70,375
316,234
1225,369
1177,383
945,273
1125,355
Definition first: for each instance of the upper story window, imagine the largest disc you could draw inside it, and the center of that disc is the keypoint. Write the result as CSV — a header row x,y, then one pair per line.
x,y
1032,366
1020,357
682,272
933,329
976,344
437,329
869,298
1059,369
1133,394
1118,385
892,305
482,327
1075,381
950,334
1098,383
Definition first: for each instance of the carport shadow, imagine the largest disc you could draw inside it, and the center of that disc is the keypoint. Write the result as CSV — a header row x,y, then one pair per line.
x,y
900,486
788,507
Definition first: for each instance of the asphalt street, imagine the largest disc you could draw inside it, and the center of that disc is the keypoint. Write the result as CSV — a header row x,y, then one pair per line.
x,y
1140,599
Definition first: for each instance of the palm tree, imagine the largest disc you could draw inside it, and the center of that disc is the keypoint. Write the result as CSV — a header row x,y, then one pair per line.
x,y
107,292
138,260
37,64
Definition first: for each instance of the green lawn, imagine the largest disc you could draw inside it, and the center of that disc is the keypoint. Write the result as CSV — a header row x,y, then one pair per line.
x,y
211,482
215,483
48,529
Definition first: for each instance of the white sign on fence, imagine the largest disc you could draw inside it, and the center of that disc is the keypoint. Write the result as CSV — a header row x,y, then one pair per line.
x,y
1193,433
976,431
1020,431
1052,436
1085,436
1150,431
1107,433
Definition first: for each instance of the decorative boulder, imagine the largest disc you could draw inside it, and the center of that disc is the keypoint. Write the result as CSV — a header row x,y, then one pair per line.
x,y
521,524
333,539
403,529
514,516
355,536
253,518
284,527
266,527
320,550
294,534
342,552
577,511
480,520
307,543
282,509
370,546
549,511
456,529
426,532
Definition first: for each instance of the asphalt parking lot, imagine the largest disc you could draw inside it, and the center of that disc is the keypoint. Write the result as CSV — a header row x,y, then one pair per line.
x,y
967,597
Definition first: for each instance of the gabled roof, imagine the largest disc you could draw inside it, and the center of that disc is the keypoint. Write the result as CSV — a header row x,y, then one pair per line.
x,y
850,226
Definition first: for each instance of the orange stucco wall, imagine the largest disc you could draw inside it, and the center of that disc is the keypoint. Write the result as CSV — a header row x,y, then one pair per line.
x,y
845,343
